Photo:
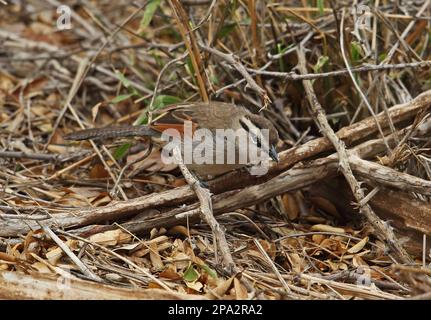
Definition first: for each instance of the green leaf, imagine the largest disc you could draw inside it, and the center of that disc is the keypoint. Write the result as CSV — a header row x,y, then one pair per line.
x,y
356,51
208,270
121,151
246,21
280,50
382,56
164,100
323,60
121,97
143,119
149,13
225,30
214,79
122,78
160,102
190,68
321,7
191,275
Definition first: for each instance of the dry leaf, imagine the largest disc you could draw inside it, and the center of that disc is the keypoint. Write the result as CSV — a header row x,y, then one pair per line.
x,y
110,238
325,205
359,246
326,228
170,273
221,289
98,171
288,205
153,233
203,245
35,85
318,238
181,260
155,258
333,265
55,148
333,245
129,247
295,261
54,256
343,266
153,285
7,257
159,239
87,192
95,111
196,286
41,267
240,291
358,261
101,200
269,248
4,267
6,82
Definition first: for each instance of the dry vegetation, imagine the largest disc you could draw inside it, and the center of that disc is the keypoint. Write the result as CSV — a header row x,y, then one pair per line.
x,y
343,215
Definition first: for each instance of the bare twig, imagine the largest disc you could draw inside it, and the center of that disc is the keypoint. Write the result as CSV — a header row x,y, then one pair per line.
x,y
40,156
120,257
358,88
383,231
273,266
191,44
234,61
204,197
288,180
85,270
365,68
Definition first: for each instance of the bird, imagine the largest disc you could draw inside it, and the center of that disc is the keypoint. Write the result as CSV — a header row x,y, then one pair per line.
x,y
215,118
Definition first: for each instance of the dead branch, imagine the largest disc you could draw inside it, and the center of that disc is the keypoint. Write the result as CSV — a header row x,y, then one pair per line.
x,y
15,285
234,61
311,76
318,113
204,196
292,179
192,47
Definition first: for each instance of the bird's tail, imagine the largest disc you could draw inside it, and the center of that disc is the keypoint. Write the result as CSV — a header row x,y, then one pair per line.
x,y
111,132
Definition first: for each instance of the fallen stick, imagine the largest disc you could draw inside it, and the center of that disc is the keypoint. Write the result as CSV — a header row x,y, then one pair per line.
x,y
16,285
124,209
206,214
382,230
293,179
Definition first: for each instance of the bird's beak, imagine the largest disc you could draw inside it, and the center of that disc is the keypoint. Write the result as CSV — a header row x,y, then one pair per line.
x,y
273,153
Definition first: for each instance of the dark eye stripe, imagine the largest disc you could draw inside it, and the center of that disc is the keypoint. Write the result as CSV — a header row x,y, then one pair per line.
x,y
244,125
246,128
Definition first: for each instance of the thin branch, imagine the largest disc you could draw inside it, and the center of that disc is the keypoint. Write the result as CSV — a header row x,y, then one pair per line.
x,y
84,269
206,213
235,62
383,231
365,68
191,44
358,88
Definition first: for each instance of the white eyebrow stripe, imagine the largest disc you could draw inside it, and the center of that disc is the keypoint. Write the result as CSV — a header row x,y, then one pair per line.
x,y
252,128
